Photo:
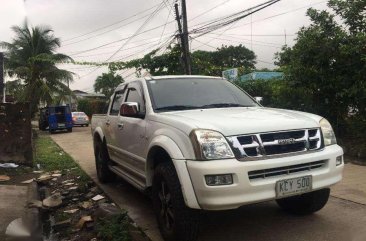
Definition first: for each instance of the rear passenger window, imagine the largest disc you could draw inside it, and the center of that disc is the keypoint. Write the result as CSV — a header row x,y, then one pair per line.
x,y
117,102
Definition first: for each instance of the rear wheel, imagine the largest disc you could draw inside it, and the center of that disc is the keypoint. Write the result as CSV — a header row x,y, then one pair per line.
x,y
176,221
102,160
69,129
306,203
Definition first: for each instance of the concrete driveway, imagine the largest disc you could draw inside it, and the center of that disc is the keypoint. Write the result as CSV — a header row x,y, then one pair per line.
x,y
340,220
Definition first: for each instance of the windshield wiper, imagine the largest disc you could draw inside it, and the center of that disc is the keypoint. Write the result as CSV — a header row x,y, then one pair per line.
x,y
223,105
178,107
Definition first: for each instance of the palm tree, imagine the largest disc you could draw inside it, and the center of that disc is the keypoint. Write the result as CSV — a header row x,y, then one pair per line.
x,y
32,57
107,82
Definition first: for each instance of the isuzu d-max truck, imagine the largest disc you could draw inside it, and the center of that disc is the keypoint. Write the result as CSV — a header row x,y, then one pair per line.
x,y
201,143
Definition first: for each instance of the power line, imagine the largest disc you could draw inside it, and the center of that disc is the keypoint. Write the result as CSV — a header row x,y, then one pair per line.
x,y
209,10
166,22
241,41
108,31
236,37
112,24
120,40
110,52
139,29
221,22
280,14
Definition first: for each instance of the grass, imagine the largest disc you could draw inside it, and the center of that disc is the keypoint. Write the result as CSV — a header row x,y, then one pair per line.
x,y
51,157
115,228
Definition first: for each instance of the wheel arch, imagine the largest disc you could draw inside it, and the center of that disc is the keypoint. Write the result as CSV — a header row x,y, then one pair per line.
x,y
98,135
164,149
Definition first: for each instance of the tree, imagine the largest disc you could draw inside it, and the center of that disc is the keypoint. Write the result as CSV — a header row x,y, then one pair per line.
x,y
32,58
107,83
15,88
234,56
203,62
328,61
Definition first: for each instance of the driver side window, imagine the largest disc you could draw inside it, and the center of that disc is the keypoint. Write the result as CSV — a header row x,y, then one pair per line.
x,y
134,95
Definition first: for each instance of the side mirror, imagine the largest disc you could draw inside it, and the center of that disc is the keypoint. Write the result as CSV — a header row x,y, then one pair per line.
x,y
130,109
258,99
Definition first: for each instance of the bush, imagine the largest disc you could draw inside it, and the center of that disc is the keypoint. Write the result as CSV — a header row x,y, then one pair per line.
x,y
278,94
90,106
281,94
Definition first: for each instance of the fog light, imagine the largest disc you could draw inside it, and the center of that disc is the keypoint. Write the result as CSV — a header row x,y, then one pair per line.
x,y
217,180
339,160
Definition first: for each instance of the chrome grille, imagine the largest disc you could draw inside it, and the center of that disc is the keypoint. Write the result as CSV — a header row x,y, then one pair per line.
x,y
275,143
280,171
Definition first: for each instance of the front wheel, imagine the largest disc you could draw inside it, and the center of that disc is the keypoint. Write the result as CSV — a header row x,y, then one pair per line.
x,y
306,203
176,221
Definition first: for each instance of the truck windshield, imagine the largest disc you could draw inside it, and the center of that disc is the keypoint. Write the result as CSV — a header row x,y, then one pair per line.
x,y
196,93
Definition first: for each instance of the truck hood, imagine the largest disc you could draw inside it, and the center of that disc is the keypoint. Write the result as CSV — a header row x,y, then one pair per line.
x,y
237,121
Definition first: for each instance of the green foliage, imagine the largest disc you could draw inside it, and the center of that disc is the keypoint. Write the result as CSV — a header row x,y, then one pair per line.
x,y
41,79
15,88
50,156
278,94
203,62
91,106
107,82
115,228
328,62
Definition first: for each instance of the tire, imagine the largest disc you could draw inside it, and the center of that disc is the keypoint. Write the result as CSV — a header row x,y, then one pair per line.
x,y
306,203
87,125
40,126
102,161
176,221
69,129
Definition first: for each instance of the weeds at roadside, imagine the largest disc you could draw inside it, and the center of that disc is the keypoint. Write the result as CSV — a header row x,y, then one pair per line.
x,y
114,228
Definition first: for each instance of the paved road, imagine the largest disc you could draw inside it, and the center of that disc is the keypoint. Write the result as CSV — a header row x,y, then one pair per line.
x,y
340,220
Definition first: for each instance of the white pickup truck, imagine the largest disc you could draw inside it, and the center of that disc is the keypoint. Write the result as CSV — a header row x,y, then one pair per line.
x,y
201,143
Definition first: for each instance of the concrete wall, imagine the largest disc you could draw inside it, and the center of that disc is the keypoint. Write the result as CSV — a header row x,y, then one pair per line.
x,y
15,134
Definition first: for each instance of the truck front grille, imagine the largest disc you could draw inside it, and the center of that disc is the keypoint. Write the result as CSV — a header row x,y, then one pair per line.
x,y
280,171
275,143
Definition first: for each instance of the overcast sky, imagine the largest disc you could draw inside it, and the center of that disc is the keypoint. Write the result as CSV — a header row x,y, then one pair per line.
x,y
81,25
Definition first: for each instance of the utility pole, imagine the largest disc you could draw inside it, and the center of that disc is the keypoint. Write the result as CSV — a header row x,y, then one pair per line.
x,y
68,86
185,36
183,33
285,38
2,83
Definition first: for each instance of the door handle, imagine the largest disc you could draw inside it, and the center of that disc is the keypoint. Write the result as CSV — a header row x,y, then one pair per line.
x,y
108,122
120,126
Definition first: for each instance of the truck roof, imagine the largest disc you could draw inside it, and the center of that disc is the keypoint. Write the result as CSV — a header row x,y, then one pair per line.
x,y
169,77
181,77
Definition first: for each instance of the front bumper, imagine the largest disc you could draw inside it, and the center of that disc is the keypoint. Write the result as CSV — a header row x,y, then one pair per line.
x,y
81,122
245,191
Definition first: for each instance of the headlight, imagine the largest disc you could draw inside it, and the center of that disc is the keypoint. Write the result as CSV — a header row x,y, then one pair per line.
x,y
328,133
210,145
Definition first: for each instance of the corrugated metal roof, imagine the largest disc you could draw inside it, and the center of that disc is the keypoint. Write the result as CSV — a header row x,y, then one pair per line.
x,y
262,76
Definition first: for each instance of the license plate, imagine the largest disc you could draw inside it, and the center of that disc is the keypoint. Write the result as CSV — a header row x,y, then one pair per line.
x,y
293,186
61,125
